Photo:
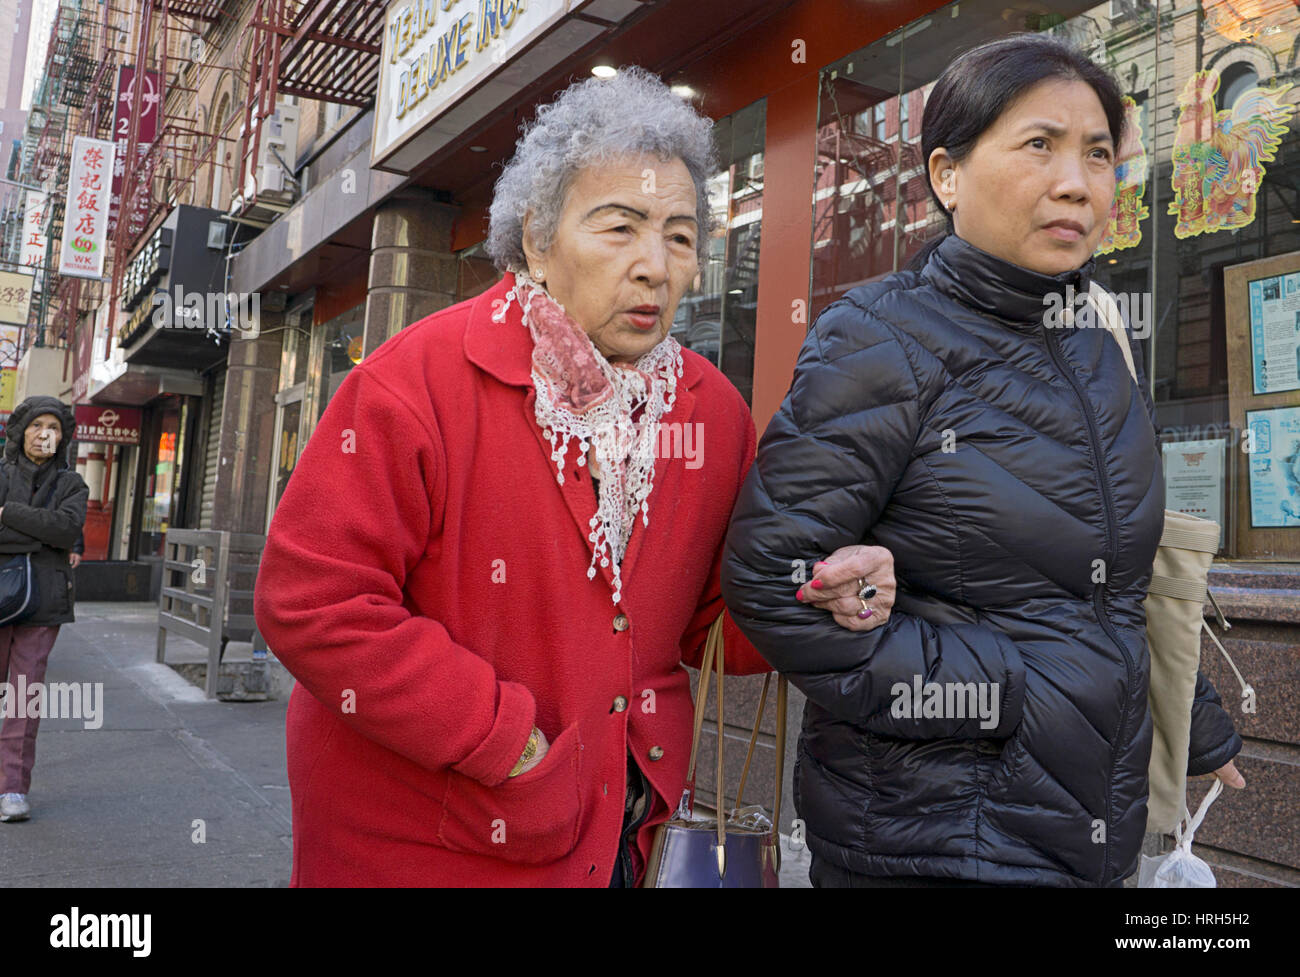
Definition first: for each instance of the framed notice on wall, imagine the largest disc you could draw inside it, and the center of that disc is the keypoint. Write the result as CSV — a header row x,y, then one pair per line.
x,y
1199,480
1262,312
1274,467
1275,333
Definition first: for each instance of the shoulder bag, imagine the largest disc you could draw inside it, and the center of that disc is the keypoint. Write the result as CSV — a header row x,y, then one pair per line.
x,y
740,849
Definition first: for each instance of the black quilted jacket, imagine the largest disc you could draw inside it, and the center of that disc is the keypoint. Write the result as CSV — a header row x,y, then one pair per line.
x,y
1013,470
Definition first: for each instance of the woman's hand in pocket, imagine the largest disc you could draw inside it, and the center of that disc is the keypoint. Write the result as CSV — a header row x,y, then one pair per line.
x,y
532,818
542,747
837,580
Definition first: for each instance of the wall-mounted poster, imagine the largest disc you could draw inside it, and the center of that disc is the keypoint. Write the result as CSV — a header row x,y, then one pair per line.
x,y
1196,479
1219,155
1274,466
1275,333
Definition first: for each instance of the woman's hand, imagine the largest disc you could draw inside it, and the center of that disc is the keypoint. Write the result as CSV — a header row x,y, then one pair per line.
x,y
542,747
1230,775
835,585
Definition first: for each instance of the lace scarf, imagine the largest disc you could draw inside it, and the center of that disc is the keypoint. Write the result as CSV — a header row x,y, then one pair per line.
x,y
581,395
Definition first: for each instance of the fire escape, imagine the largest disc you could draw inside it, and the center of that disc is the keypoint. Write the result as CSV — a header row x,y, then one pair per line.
x,y
872,182
155,177
326,51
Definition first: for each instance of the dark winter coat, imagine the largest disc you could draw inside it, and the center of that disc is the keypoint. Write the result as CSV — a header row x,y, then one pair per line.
x,y
49,530
1013,470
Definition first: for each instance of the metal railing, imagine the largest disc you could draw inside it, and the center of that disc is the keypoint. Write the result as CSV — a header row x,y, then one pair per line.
x,y
212,603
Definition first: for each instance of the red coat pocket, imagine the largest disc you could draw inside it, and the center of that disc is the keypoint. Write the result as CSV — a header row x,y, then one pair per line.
x,y
531,819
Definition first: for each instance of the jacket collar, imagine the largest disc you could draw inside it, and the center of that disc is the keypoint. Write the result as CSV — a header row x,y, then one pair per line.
x,y
999,288
505,349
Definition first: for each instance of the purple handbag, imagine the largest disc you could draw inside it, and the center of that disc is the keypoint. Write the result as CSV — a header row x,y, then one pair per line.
x,y
737,850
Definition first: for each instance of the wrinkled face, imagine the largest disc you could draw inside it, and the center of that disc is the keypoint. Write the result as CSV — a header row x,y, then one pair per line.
x,y
1037,188
42,437
624,252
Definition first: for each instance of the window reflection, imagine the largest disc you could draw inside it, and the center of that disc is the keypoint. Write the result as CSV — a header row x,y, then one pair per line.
x,y
718,319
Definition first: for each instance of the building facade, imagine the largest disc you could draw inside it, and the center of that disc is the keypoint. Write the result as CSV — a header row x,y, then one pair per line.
x,y
341,173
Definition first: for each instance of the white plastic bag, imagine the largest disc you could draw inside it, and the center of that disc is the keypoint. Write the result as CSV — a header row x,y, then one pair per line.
x,y
1180,869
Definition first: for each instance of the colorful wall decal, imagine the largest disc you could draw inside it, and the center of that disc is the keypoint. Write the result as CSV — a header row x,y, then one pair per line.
x,y
1219,155
1128,211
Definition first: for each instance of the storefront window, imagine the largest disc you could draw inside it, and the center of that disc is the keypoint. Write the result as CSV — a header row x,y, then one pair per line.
x,y
475,272
1207,181
718,319
162,493
287,442
341,340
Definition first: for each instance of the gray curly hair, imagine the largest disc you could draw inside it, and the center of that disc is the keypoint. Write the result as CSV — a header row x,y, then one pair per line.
x,y
591,122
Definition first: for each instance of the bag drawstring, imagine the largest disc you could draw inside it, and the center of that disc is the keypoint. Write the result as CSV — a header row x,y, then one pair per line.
x,y
1245,686
1184,839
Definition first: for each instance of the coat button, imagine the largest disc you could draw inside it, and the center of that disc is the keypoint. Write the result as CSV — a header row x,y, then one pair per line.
x,y
656,752
620,703
620,623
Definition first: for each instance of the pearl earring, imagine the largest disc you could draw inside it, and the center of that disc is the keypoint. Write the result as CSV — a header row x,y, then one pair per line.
x,y
538,274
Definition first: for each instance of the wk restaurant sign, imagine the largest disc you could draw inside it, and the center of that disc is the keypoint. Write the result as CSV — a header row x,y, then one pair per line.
x,y
435,52
85,219
108,425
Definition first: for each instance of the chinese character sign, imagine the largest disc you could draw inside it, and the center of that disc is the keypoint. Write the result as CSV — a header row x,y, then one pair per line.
x,y
110,425
145,137
85,219
15,297
8,380
33,253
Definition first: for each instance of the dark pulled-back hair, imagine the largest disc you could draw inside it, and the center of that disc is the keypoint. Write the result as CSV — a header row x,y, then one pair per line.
x,y
979,85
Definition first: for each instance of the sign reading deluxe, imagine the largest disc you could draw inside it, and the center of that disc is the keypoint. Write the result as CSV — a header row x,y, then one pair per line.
x,y
435,51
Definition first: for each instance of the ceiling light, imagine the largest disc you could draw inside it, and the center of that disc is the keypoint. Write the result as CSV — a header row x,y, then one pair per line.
x,y
604,71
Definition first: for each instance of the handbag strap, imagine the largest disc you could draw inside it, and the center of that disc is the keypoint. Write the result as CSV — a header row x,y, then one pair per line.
x,y
782,687
712,661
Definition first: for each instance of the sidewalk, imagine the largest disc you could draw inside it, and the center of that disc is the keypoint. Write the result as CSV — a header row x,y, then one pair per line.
x,y
118,805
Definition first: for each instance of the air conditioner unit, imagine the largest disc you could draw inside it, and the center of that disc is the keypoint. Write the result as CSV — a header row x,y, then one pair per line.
x,y
279,136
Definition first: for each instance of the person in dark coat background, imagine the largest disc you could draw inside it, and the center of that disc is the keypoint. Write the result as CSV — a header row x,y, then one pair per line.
x,y
1011,465
42,511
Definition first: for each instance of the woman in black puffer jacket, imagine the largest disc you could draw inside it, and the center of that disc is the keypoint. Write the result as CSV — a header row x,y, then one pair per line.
x,y
995,729
42,510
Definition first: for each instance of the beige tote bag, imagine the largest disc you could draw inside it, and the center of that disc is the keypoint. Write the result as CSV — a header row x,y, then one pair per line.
x,y
1175,618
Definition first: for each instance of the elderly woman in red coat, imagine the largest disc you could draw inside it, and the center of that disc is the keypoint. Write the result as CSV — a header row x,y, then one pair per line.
x,y
486,573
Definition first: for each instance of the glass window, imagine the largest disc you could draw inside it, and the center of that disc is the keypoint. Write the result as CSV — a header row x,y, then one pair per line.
x,y
162,484
342,337
1207,178
717,319
475,272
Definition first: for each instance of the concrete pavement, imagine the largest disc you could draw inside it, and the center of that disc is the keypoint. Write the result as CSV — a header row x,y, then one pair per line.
x,y
171,790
